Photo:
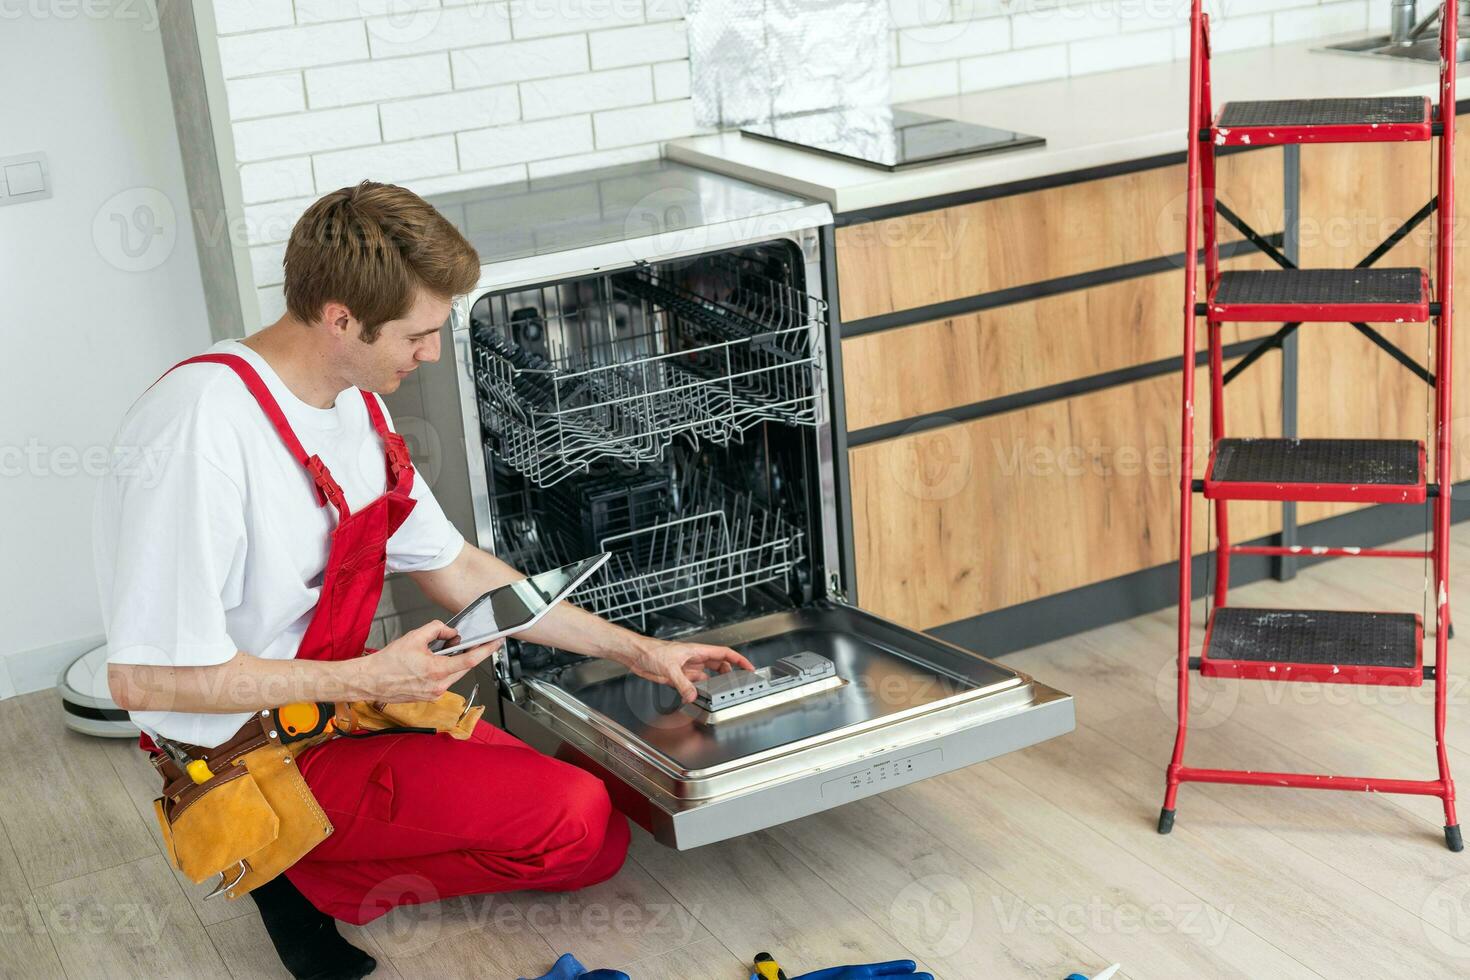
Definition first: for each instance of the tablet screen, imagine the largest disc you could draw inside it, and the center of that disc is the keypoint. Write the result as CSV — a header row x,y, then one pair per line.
x,y
512,606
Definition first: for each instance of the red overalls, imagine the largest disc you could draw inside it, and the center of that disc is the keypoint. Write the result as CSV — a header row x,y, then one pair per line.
x,y
420,818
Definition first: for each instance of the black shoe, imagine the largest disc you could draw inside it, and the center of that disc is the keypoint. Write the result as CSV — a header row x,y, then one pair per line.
x,y
307,939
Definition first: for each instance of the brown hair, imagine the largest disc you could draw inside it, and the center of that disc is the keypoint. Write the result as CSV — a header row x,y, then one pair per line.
x,y
368,247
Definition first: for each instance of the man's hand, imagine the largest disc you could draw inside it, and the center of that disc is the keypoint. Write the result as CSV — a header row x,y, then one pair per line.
x,y
679,665
407,670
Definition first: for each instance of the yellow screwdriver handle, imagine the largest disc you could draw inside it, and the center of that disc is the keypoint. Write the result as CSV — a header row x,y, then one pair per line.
x,y
198,771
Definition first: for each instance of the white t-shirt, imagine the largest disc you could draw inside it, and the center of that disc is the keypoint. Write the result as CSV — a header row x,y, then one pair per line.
x,y
208,537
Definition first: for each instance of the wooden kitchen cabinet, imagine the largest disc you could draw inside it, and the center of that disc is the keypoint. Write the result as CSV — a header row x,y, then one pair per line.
x,y
955,521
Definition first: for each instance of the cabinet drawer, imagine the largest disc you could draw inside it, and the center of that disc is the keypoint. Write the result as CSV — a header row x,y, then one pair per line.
x,y
939,365
952,522
970,249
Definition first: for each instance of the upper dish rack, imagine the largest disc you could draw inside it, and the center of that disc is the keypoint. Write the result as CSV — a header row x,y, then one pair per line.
x,y
614,368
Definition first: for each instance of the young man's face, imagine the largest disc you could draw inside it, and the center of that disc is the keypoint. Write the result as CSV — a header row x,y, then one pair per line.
x,y
400,347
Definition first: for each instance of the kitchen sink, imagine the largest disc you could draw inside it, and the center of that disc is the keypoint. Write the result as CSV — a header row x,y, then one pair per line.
x,y
1382,46
1410,37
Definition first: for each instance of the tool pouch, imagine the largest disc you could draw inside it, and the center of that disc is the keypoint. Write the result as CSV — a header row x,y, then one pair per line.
x,y
447,714
251,820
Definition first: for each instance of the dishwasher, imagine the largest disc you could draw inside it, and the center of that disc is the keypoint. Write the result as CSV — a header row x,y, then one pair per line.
x,y
664,394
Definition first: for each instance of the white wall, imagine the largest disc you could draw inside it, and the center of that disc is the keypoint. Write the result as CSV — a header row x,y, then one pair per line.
x,y
85,320
942,47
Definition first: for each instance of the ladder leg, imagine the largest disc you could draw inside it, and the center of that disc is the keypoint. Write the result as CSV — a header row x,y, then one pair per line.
x,y
1444,404
1198,114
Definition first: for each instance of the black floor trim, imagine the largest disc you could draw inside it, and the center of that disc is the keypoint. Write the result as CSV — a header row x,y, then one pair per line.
x,y
1066,613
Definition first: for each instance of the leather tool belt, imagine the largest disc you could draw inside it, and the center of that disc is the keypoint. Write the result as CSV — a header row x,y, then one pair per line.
x,y
253,815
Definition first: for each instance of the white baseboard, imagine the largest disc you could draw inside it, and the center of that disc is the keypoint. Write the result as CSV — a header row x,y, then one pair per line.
x,y
24,671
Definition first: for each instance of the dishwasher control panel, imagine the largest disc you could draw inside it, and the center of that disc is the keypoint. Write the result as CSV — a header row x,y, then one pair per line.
x,y
882,775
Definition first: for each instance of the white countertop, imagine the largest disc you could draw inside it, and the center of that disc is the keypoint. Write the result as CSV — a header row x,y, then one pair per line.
x,y
1088,121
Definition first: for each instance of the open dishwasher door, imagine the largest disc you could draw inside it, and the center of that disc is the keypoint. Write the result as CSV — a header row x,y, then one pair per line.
x,y
910,706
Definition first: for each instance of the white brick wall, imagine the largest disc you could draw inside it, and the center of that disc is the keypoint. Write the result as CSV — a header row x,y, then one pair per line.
x,y
440,95
942,47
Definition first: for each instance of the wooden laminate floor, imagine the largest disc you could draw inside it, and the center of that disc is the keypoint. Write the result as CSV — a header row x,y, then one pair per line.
x,y
1034,865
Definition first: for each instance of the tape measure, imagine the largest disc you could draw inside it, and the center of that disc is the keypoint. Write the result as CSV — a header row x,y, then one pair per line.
x,y
303,720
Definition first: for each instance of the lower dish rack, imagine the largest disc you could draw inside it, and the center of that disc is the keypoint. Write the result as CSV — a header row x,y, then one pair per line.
x,y
672,547
616,368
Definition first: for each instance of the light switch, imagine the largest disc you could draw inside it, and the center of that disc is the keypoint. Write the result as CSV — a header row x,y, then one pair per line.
x,y
26,177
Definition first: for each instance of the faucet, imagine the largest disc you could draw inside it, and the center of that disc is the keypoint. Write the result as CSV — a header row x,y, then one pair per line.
x,y
1402,28
1401,19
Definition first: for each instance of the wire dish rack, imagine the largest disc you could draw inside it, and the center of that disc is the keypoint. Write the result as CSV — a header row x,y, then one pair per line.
x,y
672,545
616,368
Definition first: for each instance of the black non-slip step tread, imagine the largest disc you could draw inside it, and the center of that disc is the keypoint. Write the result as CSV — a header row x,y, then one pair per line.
x,y
1392,462
1399,287
1305,636
1324,112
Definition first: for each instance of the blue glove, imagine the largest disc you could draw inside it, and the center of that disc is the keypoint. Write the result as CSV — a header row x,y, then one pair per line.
x,y
894,968
567,968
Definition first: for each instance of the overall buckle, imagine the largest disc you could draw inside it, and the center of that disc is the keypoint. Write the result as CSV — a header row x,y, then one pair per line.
x,y
326,487
397,452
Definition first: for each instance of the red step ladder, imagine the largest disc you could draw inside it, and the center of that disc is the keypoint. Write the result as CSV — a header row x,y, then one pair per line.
x,y
1291,644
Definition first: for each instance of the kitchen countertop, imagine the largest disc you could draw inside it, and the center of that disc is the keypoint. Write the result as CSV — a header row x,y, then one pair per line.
x,y
571,224
1088,121
588,208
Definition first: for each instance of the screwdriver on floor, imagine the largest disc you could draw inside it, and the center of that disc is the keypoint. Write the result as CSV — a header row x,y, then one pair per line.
x,y
767,968
1104,975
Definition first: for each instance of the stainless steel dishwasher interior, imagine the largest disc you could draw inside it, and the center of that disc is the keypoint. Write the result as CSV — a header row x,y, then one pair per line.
x,y
664,414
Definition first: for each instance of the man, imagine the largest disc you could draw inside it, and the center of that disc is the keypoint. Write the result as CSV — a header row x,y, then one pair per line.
x,y
240,569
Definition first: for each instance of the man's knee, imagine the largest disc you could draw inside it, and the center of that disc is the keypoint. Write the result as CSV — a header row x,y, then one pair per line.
x,y
582,806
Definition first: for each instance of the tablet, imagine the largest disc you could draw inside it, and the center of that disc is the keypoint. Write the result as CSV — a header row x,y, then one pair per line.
x,y
514,607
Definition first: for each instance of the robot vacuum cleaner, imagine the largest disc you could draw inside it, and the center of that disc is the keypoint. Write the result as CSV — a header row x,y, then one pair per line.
x,y
87,707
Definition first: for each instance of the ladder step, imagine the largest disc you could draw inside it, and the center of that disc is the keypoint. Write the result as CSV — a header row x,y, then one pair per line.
x,y
1394,119
1321,295
1314,645
1382,471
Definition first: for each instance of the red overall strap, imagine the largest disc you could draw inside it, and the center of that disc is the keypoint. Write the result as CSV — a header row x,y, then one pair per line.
x,y
400,469
326,487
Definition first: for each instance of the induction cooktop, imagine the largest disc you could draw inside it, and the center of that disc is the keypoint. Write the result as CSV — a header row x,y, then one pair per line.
x,y
887,137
